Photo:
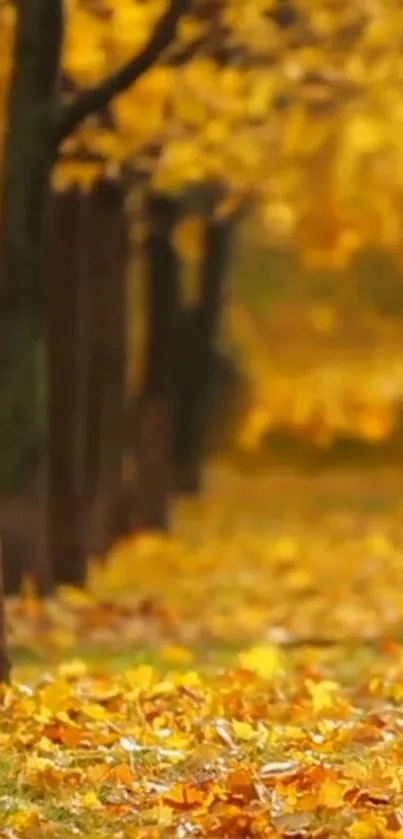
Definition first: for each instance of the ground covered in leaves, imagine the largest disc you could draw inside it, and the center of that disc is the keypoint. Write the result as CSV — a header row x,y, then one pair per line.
x,y
244,679
280,559
274,744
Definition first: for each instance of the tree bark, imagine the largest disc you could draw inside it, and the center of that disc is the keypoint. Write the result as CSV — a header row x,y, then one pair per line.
x,y
28,157
66,406
162,291
4,658
199,332
87,367
107,245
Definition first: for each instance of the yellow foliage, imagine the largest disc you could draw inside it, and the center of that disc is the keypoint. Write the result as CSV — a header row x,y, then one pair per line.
x,y
265,661
320,391
322,694
288,118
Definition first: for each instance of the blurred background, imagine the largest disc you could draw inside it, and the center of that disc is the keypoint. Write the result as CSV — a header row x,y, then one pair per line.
x,y
201,267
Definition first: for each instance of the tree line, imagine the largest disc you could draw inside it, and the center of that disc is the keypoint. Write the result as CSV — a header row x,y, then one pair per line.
x,y
63,306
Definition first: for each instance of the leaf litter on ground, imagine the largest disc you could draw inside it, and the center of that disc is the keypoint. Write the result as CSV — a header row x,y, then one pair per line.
x,y
293,748
249,684
280,559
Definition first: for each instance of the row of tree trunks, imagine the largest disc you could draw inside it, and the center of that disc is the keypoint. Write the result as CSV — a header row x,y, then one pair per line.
x,y
87,299
179,352
87,254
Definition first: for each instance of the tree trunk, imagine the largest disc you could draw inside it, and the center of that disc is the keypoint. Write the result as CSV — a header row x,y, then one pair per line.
x,y
28,157
106,394
4,659
66,406
24,537
199,330
162,292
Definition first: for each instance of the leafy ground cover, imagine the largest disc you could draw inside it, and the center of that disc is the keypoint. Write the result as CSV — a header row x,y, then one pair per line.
x,y
243,679
279,559
273,744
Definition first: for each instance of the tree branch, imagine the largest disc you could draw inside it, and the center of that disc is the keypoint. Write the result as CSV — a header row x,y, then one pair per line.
x,y
94,99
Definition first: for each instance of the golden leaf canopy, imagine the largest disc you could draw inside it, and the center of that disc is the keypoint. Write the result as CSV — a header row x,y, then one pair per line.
x,y
297,105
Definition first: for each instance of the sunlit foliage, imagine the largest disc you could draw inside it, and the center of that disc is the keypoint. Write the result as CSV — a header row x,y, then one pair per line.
x,y
296,105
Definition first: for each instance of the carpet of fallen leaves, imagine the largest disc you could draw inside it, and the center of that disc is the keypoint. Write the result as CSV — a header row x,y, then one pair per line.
x,y
269,697
280,559
276,745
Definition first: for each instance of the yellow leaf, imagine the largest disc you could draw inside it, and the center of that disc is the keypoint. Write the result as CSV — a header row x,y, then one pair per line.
x,y
265,661
94,711
243,730
90,800
141,677
322,694
24,820
331,793
364,830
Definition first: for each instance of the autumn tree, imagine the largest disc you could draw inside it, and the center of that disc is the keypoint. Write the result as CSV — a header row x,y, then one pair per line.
x,y
37,111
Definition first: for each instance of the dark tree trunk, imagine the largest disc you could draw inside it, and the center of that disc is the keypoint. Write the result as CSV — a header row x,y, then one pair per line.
x,y
162,291
66,406
24,537
87,367
199,332
106,393
30,150
4,659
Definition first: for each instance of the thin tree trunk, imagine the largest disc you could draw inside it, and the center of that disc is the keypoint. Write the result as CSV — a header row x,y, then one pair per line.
x,y
106,393
4,658
66,276
162,290
199,332
28,157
